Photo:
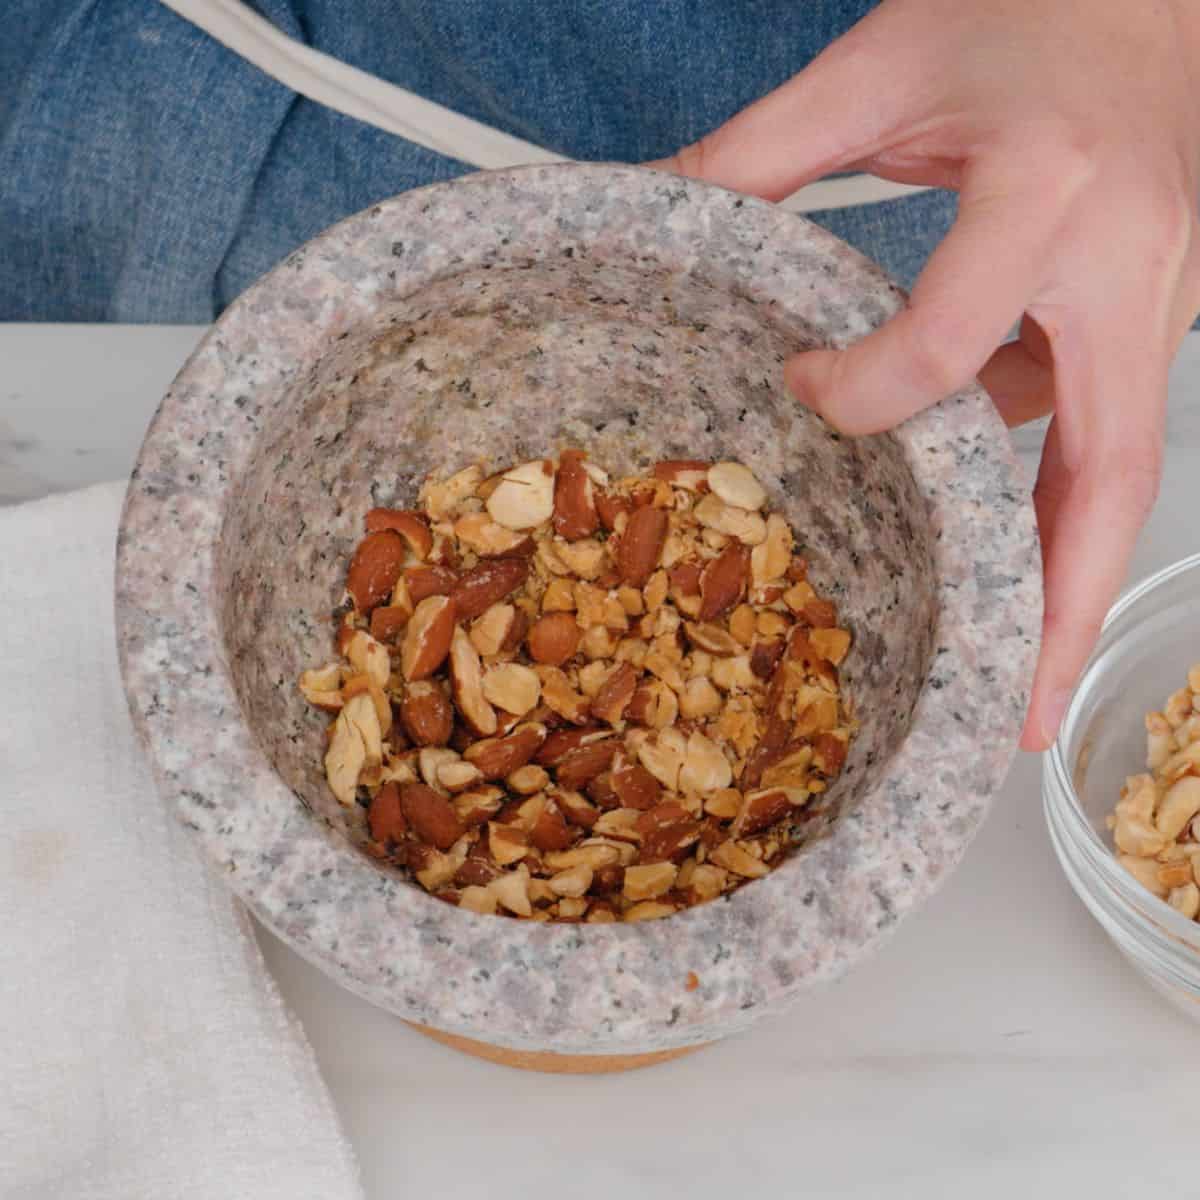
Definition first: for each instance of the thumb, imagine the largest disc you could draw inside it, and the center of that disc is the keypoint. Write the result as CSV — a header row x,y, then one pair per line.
x,y
841,109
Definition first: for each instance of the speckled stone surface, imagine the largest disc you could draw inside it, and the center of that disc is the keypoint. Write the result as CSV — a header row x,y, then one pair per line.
x,y
507,315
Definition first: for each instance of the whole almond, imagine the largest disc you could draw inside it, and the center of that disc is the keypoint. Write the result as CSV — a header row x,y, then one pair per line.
x,y
413,527
497,757
385,817
634,786
641,544
575,514
427,638
723,581
578,766
486,584
375,568
613,698
562,741
554,638
426,714
429,581
431,816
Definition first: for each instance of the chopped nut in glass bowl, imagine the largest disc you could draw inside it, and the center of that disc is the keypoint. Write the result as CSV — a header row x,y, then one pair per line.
x,y
565,696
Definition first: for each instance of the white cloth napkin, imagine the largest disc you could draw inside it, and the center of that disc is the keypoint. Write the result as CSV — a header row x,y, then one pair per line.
x,y
144,1049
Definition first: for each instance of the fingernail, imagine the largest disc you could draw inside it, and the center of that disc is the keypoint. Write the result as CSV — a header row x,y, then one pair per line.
x,y
1053,712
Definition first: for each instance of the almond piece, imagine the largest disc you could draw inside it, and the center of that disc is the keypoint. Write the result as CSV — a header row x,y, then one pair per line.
x,y
707,883
734,858
562,741
480,533
688,473
765,656
705,768
559,596
477,900
370,657
578,766
663,755
490,631
830,644
594,855
388,621
426,714
699,700
770,559
355,748
798,595
761,809
428,581
829,753
598,642
736,485
385,817
432,868
374,569
633,785
575,513
574,881
497,757
554,638
512,891
458,776
640,545
486,584
427,638
476,806
586,558
320,687
441,499
576,809
743,624
430,816
653,704
550,830
560,697
413,527
649,881
713,513
655,591
466,677
724,804
734,674
512,687
610,506
820,614
712,639
524,497
614,697
648,910
507,844
685,578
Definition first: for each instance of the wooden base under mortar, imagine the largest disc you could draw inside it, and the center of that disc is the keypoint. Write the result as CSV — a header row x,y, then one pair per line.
x,y
548,1061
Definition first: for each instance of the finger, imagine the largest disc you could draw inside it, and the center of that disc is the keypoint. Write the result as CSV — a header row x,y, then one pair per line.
x,y
1019,377
1096,487
974,287
840,109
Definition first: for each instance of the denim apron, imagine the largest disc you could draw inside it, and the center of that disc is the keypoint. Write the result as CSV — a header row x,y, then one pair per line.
x,y
153,163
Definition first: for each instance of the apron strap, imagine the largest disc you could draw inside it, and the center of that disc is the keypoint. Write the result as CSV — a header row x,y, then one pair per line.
x,y
367,98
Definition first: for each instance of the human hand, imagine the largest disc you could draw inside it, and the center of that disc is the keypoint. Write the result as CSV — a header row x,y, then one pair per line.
x,y
1071,131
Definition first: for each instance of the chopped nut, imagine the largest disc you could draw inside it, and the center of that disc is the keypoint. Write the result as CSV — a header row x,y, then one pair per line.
x,y
559,596
650,881
441,499
586,558
656,591
653,704
689,474
736,485
598,642
524,497
512,687
734,857
743,624
574,881
500,756
560,697
707,882
512,891
631,600
356,744
507,844
427,637
477,900
699,699
649,910
528,780
705,769
769,560
713,513
321,687
732,674
1145,871
458,776
575,513
593,856
663,756
830,644
478,532
491,630
1185,899
712,638
466,675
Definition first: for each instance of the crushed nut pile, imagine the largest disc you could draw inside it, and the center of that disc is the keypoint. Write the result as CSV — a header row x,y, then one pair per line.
x,y
1156,824
571,698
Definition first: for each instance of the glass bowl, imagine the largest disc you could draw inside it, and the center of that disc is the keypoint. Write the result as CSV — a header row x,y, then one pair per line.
x,y
1150,639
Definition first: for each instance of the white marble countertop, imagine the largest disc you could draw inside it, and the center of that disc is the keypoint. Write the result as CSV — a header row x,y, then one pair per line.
x,y
997,1043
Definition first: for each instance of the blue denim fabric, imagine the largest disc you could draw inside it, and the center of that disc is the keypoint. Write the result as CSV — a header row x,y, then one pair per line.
x,y
148,174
